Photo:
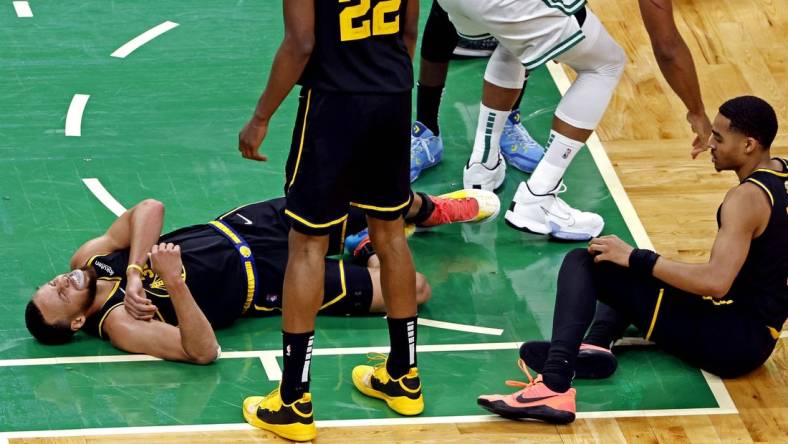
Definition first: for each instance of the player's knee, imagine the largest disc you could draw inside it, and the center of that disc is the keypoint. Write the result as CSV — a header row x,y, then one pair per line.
x,y
617,63
153,205
423,289
304,246
578,257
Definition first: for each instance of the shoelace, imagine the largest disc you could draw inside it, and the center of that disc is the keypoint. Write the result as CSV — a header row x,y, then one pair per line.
x,y
521,384
377,360
561,204
422,145
449,207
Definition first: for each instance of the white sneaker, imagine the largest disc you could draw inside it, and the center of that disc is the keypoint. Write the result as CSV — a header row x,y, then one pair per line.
x,y
478,176
549,214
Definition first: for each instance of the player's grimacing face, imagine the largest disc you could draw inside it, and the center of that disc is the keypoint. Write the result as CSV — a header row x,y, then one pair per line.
x,y
65,296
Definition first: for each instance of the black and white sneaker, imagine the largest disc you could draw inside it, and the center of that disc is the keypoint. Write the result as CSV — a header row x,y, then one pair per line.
x,y
470,48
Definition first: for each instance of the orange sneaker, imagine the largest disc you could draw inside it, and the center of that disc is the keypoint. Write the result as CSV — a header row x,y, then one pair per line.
x,y
534,401
463,206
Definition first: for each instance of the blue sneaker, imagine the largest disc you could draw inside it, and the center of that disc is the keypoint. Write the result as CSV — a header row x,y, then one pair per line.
x,y
426,149
517,146
356,242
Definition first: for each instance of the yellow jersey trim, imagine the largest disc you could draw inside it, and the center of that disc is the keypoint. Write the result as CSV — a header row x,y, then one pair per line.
x,y
717,302
251,281
301,142
104,318
766,170
773,331
765,188
312,225
656,313
383,209
342,282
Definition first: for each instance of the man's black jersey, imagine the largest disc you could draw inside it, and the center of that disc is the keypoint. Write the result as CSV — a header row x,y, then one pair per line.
x,y
359,48
233,266
762,282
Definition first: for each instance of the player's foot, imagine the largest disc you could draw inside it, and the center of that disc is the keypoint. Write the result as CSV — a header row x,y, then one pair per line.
x,y
549,214
472,48
403,395
478,177
426,149
476,206
355,242
593,362
292,421
518,147
534,401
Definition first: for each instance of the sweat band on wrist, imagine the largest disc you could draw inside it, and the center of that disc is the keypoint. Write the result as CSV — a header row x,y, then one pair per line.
x,y
642,261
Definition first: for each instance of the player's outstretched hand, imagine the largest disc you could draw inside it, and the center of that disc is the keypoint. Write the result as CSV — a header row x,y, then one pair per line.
x,y
135,302
166,261
701,126
250,138
610,248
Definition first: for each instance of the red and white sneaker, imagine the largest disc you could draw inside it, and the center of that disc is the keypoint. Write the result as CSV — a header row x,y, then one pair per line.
x,y
475,206
534,401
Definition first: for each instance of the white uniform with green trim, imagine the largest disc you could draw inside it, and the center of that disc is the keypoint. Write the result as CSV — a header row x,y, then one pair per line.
x,y
534,31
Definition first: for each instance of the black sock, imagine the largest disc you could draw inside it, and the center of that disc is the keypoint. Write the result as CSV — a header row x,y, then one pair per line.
x,y
608,326
425,211
428,102
522,93
402,334
297,353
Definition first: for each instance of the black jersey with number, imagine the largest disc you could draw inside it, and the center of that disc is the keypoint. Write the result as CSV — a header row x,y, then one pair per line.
x,y
359,48
762,282
211,267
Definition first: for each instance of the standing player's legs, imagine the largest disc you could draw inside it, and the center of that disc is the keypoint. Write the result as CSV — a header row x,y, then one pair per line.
x,y
599,62
317,204
382,188
439,39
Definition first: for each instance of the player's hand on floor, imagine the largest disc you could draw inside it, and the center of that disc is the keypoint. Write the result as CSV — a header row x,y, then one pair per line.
x,y
611,249
166,261
250,138
135,302
701,126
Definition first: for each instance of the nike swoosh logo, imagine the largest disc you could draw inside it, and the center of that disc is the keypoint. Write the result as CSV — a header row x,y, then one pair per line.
x,y
567,218
524,400
246,221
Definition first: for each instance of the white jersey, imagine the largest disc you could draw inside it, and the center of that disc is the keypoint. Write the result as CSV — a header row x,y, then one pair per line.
x,y
534,31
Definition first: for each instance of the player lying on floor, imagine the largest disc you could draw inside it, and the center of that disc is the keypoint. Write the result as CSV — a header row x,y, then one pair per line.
x,y
203,277
723,316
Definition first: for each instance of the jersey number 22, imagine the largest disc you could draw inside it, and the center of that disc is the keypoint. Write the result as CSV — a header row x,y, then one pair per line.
x,y
376,26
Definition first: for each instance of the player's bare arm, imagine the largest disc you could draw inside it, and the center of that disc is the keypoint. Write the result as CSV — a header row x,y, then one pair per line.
x,y
137,229
193,340
289,63
410,29
745,213
676,64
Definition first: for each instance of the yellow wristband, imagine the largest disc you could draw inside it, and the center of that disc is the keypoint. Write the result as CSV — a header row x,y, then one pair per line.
x,y
134,267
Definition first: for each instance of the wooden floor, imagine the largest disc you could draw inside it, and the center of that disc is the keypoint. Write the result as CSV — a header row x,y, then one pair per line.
x,y
739,48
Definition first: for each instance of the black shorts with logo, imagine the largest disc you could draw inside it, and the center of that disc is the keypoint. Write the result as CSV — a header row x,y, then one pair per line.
x,y
348,149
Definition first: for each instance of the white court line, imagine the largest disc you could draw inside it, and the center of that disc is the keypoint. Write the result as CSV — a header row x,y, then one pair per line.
x,y
344,423
103,196
74,115
257,354
142,39
460,327
22,11
271,367
631,218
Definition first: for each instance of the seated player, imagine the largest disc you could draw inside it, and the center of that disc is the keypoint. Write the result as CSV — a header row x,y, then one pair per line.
x,y
723,316
204,277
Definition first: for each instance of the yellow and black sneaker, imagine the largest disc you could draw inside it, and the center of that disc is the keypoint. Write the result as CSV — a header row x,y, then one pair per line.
x,y
292,421
403,395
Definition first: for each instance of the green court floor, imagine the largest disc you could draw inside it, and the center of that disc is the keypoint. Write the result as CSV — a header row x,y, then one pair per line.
x,y
163,123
